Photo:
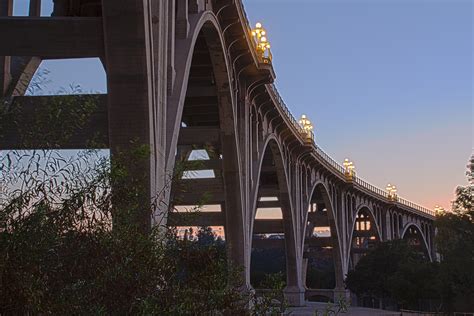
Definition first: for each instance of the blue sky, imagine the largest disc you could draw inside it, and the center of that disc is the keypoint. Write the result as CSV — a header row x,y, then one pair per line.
x,y
387,83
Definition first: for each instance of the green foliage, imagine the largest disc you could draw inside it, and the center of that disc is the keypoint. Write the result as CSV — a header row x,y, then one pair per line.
x,y
340,307
455,243
271,301
60,255
394,270
264,262
75,235
320,272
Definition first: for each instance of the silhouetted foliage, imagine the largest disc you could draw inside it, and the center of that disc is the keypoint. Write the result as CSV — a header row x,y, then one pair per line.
x,y
73,240
264,262
455,243
395,270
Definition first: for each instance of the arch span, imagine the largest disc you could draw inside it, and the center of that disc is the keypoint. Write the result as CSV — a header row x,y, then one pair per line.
x,y
202,118
365,233
321,241
206,24
273,222
415,237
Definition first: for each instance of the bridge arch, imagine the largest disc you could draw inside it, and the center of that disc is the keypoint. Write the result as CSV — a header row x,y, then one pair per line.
x,y
272,226
201,117
364,234
205,24
321,240
415,237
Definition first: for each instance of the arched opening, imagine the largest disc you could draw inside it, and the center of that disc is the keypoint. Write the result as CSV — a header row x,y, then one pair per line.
x,y
321,257
365,235
414,237
206,172
272,221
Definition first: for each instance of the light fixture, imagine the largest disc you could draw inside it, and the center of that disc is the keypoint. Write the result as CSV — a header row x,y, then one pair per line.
x,y
307,126
261,43
392,192
349,169
438,209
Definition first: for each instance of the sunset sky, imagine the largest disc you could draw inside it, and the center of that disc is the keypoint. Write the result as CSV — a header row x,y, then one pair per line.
x,y
387,83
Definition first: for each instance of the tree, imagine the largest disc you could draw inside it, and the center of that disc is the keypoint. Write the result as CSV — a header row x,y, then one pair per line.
x,y
70,243
455,244
394,270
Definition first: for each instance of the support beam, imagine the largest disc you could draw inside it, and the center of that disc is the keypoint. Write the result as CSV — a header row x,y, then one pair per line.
x,y
268,204
196,219
132,102
210,164
52,37
198,135
268,226
182,21
6,9
35,8
320,242
211,185
194,198
318,219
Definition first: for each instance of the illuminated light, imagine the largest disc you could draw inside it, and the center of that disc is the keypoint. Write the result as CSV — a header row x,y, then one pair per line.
x,y
349,169
391,192
261,43
307,127
439,209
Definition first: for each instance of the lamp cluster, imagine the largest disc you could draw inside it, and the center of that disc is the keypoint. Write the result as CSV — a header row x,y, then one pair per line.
x,y
349,169
438,209
392,192
259,35
307,126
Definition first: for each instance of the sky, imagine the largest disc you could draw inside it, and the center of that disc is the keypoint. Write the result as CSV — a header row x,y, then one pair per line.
x,y
386,83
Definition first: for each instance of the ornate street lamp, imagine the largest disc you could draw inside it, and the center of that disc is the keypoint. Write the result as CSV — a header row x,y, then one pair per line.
x,y
392,192
261,42
307,127
438,209
349,169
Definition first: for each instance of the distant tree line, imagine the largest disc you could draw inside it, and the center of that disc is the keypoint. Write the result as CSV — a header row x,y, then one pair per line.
x,y
397,274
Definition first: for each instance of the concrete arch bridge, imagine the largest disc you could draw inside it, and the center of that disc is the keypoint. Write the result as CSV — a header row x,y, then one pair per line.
x,y
190,79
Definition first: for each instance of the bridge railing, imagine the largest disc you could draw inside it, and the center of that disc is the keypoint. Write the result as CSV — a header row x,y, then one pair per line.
x,y
303,135
337,166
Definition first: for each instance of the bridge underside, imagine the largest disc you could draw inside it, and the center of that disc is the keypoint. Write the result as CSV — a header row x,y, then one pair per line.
x,y
184,79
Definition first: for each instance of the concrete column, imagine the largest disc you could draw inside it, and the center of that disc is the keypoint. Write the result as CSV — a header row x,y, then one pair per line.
x,y
234,219
304,272
130,85
6,9
35,8
171,44
182,21
294,290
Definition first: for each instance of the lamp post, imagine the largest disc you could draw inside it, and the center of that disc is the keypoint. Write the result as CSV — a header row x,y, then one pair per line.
x,y
392,192
349,169
438,209
259,35
307,126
